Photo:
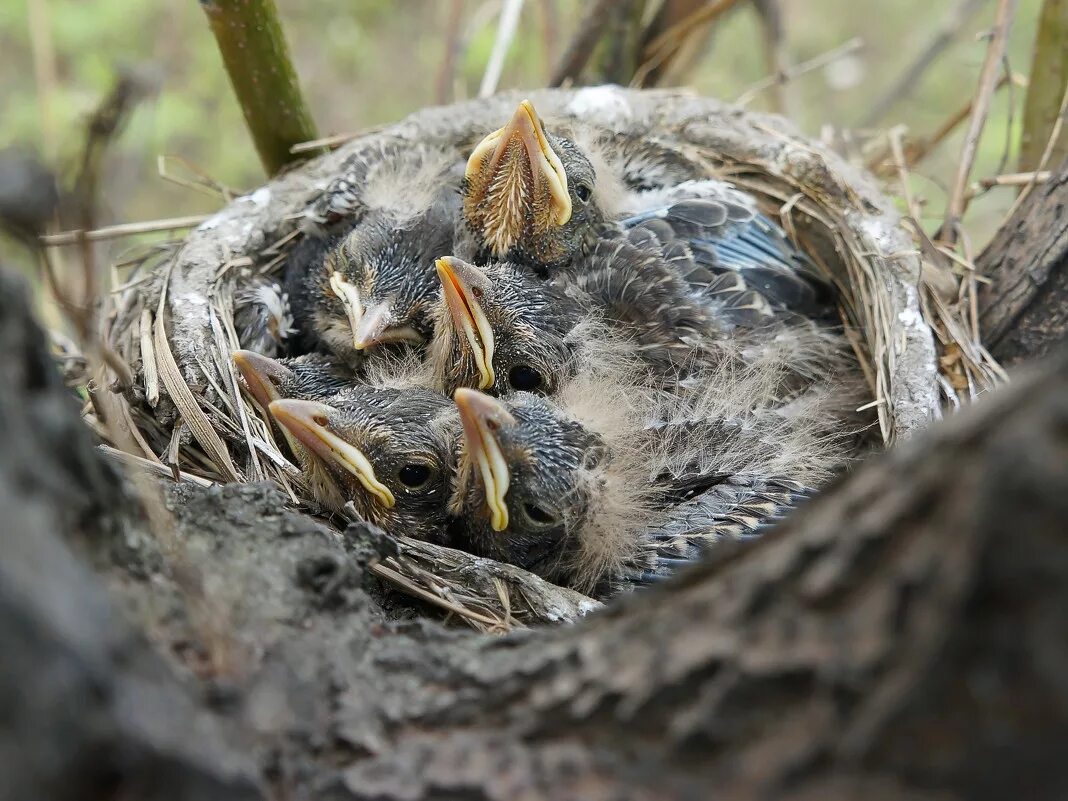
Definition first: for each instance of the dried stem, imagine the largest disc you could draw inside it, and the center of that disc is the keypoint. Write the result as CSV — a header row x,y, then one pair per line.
x,y
506,28
814,63
447,72
578,52
910,78
254,51
988,79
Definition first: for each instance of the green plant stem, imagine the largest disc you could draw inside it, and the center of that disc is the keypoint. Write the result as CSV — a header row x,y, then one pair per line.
x,y
1049,75
254,51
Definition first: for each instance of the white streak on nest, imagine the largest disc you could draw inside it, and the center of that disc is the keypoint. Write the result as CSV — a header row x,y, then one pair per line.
x,y
261,197
606,103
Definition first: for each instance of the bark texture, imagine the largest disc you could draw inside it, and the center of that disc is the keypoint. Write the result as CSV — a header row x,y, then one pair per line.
x,y
1024,309
902,637
89,710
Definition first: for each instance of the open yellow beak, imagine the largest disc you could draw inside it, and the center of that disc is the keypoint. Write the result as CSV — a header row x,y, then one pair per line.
x,y
518,167
467,315
349,296
308,421
481,416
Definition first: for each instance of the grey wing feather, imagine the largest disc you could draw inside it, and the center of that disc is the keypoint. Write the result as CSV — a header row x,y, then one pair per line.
x,y
740,508
717,233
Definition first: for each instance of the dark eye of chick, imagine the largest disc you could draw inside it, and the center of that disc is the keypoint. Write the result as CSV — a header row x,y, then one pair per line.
x,y
414,475
583,192
524,378
538,515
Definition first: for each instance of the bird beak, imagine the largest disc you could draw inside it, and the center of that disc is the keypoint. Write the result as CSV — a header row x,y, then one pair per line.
x,y
482,417
378,328
458,279
262,375
518,166
309,422
349,296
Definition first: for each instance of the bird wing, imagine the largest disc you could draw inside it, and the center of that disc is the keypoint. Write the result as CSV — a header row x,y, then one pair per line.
x,y
728,251
740,508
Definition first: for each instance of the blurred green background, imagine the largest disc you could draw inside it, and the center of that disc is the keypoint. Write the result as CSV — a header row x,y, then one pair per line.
x,y
368,62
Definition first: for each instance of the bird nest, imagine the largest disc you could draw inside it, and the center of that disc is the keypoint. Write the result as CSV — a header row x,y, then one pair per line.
x,y
174,320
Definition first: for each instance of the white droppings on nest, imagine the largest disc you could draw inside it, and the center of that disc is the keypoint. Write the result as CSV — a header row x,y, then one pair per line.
x,y
261,197
606,103
213,221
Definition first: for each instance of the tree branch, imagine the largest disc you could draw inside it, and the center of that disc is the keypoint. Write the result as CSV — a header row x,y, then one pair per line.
x,y
254,51
1023,311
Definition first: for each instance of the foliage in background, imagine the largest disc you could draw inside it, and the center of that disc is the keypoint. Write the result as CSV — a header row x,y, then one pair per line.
x,y
367,63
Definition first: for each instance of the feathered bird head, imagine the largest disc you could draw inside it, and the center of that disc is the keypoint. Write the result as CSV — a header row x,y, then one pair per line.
x,y
377,285
502,330
388,450
528,194
558,490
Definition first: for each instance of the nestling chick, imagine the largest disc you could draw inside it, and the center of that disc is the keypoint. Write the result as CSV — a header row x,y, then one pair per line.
x,y
309,377
390,451
500,329
377,285
528,194
581,490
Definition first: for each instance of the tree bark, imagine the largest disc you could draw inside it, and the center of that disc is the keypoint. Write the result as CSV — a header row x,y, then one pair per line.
x,y
1024,309
902,637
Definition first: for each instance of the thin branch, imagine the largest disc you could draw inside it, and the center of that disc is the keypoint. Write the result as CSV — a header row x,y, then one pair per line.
x,y
917,150
447,71
910,78
506,28
667,45
815,63
775,60
988,79
254,51
578,52
122,230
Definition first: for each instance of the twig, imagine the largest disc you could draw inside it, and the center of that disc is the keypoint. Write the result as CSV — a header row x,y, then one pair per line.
x,y
578,52
331,141
550,33
1049,75
770,12
204,183
665,46
917,150
988,79
910,78
447,70
506,28
44,71
122,230
798,70
1047,153
254,51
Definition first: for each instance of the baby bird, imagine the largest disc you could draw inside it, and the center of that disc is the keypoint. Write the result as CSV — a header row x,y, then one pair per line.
x,y
389,450
582,489
309,377
528,195
500,329
376,286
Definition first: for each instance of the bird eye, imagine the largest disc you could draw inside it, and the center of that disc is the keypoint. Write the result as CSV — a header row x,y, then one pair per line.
x,y
414,475
524,378
539,515
583,192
